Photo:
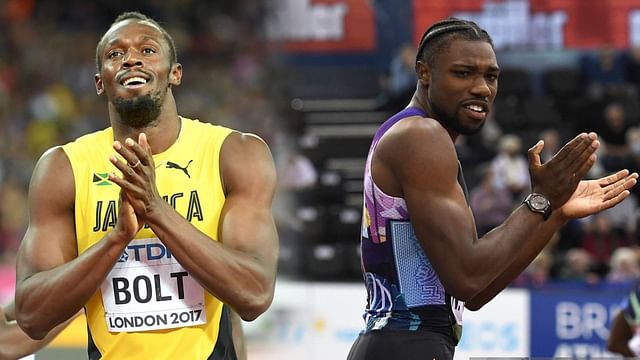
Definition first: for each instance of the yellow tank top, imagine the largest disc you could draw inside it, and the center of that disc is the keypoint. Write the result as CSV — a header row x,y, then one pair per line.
x,y
149,307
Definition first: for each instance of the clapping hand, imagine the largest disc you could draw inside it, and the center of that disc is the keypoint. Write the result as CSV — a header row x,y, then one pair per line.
x,y
138,182
561,179
592,196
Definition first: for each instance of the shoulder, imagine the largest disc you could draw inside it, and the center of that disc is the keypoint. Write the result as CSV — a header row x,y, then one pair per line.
x,y
415,140
54,162
415,153
239,144
53,171
246,163
418,132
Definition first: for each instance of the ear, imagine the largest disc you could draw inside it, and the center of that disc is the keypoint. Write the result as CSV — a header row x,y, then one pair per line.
x,y
175,77
99,85
424,73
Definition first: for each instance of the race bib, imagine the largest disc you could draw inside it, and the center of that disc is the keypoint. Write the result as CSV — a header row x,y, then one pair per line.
x,y
147,289
417,279
457,308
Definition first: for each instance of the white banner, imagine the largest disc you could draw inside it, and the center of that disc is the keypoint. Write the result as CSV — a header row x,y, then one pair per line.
x,y
499,329
318,321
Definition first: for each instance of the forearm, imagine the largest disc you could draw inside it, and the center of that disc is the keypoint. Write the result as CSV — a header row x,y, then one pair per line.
x,y
47,298
532,241
467,265
14,343
239,279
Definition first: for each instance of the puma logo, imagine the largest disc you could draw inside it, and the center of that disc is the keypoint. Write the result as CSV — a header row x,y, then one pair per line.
x,y
172,165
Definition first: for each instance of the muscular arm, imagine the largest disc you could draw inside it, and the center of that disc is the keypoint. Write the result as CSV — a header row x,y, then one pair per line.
x,y
14,343
417,160
53,282
619,336
530,249
240,268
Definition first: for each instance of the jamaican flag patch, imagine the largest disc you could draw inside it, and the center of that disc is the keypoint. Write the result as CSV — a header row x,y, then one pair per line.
x,y
101,179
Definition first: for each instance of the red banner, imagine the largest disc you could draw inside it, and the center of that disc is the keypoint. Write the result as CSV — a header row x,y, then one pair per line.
x,y
544,24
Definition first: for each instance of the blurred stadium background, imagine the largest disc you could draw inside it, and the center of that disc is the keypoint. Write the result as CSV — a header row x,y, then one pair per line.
x,y
315,78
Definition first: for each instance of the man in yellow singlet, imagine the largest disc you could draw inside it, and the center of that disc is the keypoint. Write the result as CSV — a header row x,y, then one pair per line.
x,y
157,226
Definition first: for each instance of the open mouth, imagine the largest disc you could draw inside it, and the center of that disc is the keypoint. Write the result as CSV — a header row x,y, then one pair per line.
x,y
477,111
134,82
477,108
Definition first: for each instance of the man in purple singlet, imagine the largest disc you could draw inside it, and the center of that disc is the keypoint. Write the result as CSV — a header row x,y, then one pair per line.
x,y
422,260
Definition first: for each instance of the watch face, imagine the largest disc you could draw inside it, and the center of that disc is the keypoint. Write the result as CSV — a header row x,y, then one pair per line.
x,y
538,202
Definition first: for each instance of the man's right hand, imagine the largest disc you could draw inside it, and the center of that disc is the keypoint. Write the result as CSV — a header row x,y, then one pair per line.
x,y
558,178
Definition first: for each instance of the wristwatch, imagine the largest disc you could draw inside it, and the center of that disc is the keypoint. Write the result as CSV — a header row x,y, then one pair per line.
x,y
539,204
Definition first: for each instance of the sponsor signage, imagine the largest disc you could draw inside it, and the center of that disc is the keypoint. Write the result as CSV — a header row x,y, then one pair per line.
x,y
572,324
321,25
541,24
498,329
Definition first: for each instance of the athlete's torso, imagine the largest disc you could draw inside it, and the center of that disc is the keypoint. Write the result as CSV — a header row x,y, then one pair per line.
x,y
149,307
403,289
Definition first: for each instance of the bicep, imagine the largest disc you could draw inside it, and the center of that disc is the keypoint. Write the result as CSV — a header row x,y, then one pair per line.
x,y
442,221
248,227
49,239
442,217
246,222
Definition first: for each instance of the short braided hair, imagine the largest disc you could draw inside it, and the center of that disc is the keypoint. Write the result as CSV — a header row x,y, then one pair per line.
x,y
439,36
141,17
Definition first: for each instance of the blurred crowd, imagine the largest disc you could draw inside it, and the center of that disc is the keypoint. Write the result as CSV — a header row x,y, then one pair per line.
x,y
601,94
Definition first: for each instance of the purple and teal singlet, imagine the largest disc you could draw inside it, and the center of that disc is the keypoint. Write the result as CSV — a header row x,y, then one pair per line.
x,y
403,289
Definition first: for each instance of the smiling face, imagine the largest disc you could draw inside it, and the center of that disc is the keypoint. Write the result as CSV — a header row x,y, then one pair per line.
x,y
461,85
136,71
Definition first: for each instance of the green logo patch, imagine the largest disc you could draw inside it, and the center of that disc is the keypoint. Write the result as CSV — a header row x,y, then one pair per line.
x,y
101,179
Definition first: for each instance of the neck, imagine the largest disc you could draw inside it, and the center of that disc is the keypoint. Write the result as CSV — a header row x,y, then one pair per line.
x,y
161,133
419,100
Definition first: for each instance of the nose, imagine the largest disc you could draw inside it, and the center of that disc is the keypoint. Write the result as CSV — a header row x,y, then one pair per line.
x,y
132,58
481,88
